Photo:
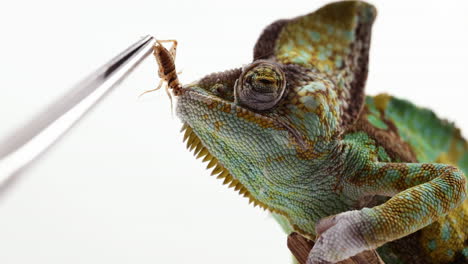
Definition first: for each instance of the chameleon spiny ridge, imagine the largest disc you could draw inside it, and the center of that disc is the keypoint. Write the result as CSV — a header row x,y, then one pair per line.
x,y
295,133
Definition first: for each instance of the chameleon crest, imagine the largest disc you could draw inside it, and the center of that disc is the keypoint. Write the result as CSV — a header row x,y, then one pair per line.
x,y
294,132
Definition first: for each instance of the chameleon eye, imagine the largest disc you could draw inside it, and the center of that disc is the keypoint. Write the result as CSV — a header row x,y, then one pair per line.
x,y
260,86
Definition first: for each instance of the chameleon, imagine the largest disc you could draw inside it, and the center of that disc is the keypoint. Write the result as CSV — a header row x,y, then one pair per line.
x,y
295,133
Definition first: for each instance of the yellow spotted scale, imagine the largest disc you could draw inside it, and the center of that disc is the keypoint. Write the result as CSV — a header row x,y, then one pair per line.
x,y
295,133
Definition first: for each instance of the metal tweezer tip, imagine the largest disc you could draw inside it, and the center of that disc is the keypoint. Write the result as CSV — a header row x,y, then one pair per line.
x,y
36,136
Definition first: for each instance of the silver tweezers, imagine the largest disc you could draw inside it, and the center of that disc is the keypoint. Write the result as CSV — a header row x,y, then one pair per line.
x,y
27,143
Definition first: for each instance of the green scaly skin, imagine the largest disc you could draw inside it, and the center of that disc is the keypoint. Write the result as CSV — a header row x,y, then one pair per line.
x,y
349,171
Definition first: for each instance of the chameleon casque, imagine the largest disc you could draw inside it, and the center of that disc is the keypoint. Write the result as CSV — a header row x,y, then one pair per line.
x,y
295,133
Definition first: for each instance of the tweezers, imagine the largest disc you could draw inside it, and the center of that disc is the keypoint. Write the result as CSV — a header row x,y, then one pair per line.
x,y
35,137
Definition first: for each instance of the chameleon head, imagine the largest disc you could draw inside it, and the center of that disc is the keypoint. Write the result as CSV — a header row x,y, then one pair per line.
x,y
261,121
274,122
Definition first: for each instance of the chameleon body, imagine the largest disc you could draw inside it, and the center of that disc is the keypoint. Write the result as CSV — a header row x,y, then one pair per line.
x,y
295,133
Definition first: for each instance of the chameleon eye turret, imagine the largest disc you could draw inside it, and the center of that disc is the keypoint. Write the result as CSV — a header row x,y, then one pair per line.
x,y
260,86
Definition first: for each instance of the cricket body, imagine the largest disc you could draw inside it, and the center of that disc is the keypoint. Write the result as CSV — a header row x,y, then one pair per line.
x,y
295,133
166,67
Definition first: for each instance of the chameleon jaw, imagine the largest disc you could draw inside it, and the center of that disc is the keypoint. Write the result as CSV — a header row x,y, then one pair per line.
x,y
195,145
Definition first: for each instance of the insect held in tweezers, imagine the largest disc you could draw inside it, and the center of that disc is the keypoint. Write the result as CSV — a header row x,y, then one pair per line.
x,y
167,71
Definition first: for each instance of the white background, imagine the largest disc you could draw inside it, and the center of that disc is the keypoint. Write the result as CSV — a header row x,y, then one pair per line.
x,y
121,188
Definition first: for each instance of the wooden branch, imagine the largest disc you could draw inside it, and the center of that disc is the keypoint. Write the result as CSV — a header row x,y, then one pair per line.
x,y
301,246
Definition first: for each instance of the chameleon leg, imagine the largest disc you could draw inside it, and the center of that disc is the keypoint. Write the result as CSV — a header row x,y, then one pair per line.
x,y
421,193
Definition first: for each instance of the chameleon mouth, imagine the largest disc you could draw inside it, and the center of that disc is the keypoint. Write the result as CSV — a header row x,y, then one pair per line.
x,y
195,145
213,101
265,121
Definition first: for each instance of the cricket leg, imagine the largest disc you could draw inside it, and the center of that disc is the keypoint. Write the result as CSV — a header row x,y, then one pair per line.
x,y
155,89
173,48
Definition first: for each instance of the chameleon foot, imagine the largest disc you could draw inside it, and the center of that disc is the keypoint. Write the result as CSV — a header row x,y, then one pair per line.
x,y
339,237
